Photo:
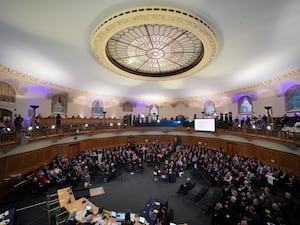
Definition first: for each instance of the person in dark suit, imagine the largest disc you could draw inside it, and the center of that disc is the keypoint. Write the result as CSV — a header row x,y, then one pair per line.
x,y
186,187
218,216
58,120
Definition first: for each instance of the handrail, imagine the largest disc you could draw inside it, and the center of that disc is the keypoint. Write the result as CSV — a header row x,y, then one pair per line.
x,y
25,135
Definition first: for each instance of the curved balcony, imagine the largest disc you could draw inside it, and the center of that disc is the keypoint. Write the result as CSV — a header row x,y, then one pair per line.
x,y
70,127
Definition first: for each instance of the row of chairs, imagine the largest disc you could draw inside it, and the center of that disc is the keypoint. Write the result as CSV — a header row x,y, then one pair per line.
x,y
55,211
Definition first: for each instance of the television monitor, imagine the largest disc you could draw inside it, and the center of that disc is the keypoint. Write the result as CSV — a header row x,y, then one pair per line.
x,y
205,125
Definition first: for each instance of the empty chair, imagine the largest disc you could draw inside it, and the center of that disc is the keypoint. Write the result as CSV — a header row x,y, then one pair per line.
x,y
52,206
61,216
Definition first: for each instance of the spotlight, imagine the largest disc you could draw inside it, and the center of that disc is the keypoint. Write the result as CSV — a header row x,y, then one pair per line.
x,y
53,127
37,127
111,124
86,125
253,127
269,127
29,128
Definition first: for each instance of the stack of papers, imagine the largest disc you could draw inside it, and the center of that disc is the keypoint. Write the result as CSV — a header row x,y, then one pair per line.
x,y
80,215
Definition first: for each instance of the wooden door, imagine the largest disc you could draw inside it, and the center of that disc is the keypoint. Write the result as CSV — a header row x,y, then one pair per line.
x,y
74,150
231,148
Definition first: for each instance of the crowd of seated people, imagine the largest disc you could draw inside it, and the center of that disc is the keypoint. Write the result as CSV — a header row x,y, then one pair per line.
x,y
102,164
155,153
249,197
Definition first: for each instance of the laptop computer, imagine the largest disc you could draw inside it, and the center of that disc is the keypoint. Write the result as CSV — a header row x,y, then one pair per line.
x,y
113,214
142,220
120,217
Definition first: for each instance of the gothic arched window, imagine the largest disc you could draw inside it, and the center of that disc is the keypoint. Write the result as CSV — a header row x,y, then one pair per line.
x,y
154,111
59,104
245,105
127,107
209,108
97,110
7,92
292,97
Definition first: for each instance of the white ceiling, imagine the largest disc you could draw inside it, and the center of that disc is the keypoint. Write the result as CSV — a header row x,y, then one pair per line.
x,y
50,41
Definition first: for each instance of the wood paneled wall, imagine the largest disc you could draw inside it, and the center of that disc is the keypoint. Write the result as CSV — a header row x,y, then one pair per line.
x,y
25,162
284,160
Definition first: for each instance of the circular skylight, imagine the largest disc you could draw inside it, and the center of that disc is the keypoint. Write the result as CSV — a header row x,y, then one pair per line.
x,y
154,50
154,43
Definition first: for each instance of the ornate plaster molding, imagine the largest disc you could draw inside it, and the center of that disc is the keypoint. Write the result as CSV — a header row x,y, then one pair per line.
x,y
19,75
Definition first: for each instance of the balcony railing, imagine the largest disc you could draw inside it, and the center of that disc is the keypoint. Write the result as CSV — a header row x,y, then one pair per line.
x,y
44,132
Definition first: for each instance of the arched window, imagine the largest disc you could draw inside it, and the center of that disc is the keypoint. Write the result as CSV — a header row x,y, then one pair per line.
x,y
245,105
209,108
154,112
7,92
127,107
292,98
97,109
59,104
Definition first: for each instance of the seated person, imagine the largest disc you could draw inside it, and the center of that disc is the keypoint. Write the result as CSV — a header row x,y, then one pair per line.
x,y
88,220
71,219
186,187
86,177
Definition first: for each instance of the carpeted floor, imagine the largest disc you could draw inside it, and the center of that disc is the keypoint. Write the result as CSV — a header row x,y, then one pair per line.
x,y
124,192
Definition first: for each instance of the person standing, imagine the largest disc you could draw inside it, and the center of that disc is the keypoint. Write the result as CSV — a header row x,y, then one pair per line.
x,y
18,122
58,120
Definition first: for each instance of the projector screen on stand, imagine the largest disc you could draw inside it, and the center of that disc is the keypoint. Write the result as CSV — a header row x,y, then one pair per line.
x,y
205,125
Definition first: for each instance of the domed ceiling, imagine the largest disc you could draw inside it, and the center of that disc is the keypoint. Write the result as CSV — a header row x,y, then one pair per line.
x,y
150,49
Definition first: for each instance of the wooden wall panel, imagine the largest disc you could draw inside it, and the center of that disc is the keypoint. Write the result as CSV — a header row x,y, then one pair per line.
x,y
25,162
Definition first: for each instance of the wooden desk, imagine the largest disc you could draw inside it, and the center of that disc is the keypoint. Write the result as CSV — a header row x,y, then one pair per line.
x,y
66,194
109,220
80,205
